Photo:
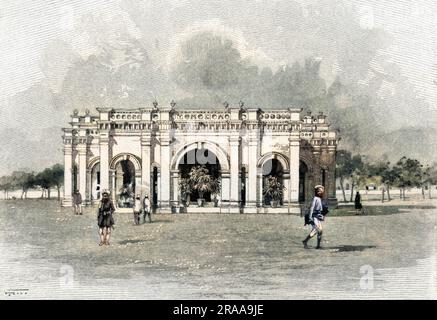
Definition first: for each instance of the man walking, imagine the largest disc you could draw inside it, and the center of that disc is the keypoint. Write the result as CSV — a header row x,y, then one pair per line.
x,y
77,202
147,208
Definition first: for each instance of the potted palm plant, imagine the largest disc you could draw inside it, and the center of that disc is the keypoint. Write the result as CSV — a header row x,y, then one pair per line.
x,y
274,189
216,188
186,188
201,181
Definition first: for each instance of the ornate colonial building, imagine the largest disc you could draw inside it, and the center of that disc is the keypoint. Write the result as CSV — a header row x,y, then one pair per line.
x,y
148,151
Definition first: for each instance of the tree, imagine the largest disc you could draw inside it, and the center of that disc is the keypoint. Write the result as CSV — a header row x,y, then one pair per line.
x,y
408,174
45,181
23,180
343,168
57,178
430,177
358,173
388,177
6,185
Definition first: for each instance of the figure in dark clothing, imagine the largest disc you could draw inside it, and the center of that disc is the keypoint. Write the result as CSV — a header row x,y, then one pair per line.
x,y
105,219
358,205
77,202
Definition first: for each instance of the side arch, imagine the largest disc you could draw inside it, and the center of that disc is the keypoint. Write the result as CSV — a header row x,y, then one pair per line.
x,y
92,162
274,155
126,156
214,148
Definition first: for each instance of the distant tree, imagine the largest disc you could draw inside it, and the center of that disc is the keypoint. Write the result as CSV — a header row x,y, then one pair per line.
x,y
6,185
408,174
387,175
23,180
343,168
57,177
430,177
352,167
45,181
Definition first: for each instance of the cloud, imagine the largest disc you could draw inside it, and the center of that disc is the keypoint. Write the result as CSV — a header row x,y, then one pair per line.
x,y
216,27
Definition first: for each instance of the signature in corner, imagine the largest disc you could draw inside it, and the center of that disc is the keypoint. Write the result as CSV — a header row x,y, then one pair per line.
x,y
16,292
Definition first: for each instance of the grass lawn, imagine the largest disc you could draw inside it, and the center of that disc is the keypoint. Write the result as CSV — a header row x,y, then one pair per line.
x,y
375,210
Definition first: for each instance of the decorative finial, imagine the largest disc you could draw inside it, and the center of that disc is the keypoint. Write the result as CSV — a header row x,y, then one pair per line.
x,y
241,104
87,111
172,104
226,104
75,112
155,104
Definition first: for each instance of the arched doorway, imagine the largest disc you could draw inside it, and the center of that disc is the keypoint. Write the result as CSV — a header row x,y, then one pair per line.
x,y
303,176
125,183
199,158
75,175
272,168
155,186
95,182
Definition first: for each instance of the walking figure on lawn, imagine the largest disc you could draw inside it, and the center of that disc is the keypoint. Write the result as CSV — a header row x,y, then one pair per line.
x,y
315,217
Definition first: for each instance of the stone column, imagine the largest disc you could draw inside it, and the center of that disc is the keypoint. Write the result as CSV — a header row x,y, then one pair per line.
x,y
332,196
146,165
68,178
226,190
88,192
286,181
104,161
260,189
164,194
138,184
113,184
82,155
294,145
235,171
175,192
252,171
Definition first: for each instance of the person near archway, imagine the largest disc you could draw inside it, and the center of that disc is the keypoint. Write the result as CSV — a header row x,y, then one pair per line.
x,y
147,208
316,217
77,202
137,209
105,219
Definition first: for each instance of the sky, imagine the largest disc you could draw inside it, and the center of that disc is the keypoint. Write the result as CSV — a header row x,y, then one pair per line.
x,y
41,40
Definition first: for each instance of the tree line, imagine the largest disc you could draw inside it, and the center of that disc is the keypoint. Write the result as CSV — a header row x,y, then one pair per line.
x,y
404,174
46,180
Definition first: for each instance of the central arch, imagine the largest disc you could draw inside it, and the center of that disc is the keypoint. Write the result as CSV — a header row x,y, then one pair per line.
x,y
207,155
212,147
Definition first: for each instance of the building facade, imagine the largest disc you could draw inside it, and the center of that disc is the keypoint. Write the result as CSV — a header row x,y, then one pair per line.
x,y
149,151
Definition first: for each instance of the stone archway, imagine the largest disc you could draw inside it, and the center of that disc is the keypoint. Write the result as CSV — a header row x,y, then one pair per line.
x,y
206,154
126,179
277,165
94,179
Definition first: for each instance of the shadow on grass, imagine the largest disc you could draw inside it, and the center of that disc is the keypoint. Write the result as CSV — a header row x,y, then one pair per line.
x,y
349,248
123,242
376,210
